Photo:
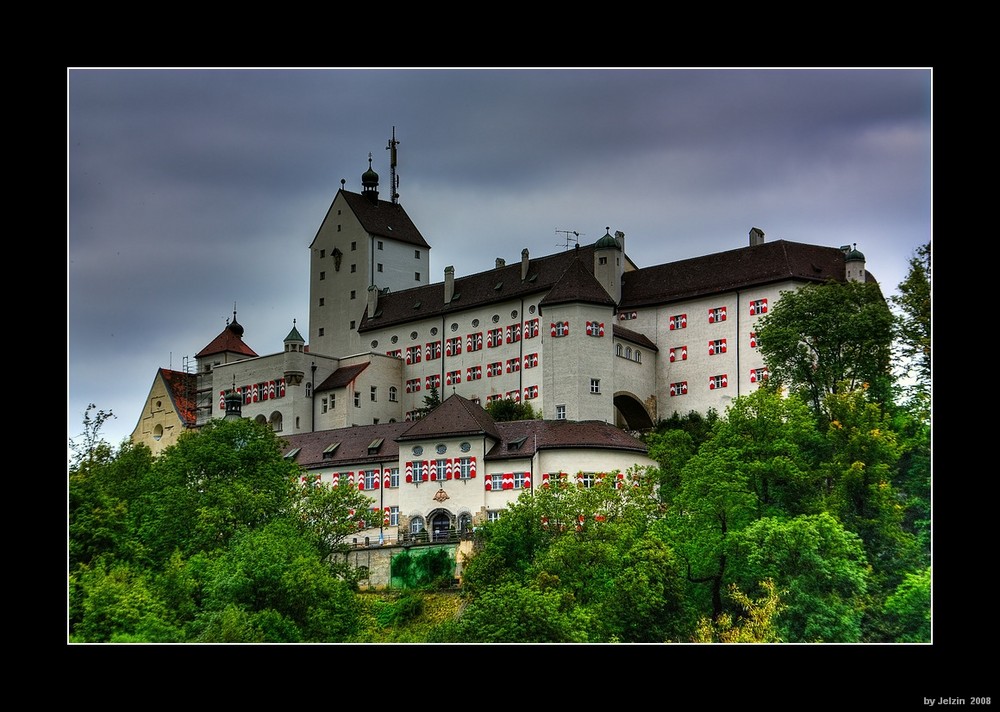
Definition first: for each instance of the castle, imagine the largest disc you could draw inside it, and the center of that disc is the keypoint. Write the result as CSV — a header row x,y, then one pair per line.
x,y
596,344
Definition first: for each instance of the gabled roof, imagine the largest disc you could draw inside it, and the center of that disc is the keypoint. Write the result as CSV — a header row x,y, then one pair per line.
x,y
620,332
352,446
342,376
455,416
475,290
229,341
384,218
578,284
523,438
734,269
181,388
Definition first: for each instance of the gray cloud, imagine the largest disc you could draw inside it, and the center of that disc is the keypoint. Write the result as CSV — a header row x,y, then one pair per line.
x,y
189,190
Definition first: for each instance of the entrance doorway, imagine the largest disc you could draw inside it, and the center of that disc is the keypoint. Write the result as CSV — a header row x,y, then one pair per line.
x,y
440,526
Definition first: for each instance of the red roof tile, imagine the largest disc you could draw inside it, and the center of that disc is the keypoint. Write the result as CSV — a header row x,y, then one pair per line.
x,y
182,387
229,341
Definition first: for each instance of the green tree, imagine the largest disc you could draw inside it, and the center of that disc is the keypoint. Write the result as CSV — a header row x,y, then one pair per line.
x,y
754,624
778,446
715,500
116,602
864,454
331,514
820,566
90,447
227,477
513,613
698,426
276,576
909,608
646,599
505,409
671,449
100,492
431,401
827,338
914,326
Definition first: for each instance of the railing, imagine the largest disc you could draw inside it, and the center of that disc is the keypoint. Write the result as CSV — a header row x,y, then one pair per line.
x,y
411,539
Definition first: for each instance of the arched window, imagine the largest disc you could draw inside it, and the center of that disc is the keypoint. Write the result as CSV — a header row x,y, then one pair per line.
x,y
393,394
618,350
260,419
628,353
638,356
416,525
276,421
157,432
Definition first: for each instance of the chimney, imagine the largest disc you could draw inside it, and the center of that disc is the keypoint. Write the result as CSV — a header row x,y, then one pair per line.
x,y
756,236
620,236
501,262
524,264
449,283
372,301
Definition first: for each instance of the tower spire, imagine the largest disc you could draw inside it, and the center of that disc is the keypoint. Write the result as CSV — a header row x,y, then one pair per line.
x,y
393,178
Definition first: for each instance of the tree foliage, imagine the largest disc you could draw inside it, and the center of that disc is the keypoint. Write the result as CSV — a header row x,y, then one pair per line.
x,y
505,409
212,541
821,568
829,338
227,477
908,609
914,326
754,623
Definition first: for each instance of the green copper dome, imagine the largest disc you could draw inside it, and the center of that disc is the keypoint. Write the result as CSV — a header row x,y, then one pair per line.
x,y
607,241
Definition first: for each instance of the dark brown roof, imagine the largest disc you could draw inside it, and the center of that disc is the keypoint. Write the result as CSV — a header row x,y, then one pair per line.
x,y
620,332
353,448
230,340
522,438
735,269
474,291
457,415
578,284
385,219
342,376
181,388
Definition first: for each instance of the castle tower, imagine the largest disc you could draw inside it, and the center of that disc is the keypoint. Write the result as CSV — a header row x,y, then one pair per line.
x,y
363,242
608,265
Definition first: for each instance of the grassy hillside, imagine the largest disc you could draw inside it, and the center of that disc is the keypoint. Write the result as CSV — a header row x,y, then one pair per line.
x,y
406,616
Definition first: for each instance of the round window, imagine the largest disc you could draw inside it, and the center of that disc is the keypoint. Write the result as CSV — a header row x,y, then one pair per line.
x,y
374,343
531,309
394,338
441,449
413,334
454,327
475,323
496,318
418,451
513,314
465,447
434,331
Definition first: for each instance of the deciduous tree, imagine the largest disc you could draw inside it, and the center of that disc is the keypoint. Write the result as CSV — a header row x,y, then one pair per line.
x,y
827,338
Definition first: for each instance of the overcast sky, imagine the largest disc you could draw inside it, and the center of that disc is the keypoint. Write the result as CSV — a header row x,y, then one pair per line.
x,y
189,191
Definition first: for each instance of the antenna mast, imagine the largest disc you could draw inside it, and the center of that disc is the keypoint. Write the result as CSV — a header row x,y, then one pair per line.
x,y
571,236
393,178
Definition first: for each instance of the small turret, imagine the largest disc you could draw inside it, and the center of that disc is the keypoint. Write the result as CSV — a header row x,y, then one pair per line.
x,y
369,183
854,264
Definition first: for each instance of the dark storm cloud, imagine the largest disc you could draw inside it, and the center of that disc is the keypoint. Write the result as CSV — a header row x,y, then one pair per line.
x,y
189,190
